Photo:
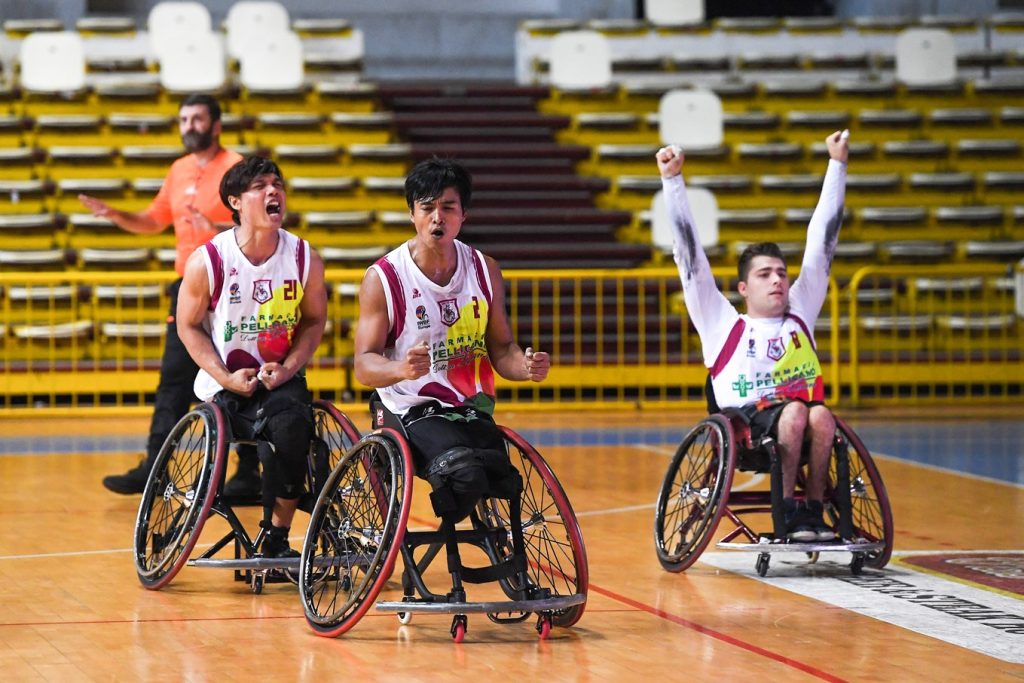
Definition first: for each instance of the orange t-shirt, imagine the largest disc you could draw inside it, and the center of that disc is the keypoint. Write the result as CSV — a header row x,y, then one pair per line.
x,y
190,185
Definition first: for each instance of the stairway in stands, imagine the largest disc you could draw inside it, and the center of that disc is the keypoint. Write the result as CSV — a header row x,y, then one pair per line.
x,y
530,209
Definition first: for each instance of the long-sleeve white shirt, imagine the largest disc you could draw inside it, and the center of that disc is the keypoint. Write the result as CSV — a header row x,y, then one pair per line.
x,y
776,358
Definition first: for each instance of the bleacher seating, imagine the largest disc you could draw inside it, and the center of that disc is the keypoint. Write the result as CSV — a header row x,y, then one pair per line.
x,y
564,177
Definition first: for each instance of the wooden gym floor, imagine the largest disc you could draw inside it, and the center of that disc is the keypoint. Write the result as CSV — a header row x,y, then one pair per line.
x,y
950,606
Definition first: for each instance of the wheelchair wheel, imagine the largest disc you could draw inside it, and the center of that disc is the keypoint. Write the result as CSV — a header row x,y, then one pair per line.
x,y
355,533
178,495
872,515
693,494
335,429
556,556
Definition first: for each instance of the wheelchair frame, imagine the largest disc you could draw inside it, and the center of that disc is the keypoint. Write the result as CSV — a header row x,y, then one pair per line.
x,y
197,448
691,503
362,559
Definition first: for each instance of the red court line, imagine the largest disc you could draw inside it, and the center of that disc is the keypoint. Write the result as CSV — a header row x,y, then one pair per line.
x,y
692,625
187,620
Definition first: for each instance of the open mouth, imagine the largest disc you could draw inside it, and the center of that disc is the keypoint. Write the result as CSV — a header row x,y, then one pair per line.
x,y
438,233
273,209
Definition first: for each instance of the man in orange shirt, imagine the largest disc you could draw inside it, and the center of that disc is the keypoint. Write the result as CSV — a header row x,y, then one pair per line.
x,y
190,200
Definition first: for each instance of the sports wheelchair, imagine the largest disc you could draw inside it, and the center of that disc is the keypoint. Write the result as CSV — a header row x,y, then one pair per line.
x,y
186,485
697,493
358,529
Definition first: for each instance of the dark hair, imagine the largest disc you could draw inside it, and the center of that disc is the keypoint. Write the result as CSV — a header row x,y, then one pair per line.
x,y
431,177
757,249
208,101
238,177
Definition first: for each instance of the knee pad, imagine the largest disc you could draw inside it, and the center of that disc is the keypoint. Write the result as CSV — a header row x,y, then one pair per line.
x,y
461,476
291,435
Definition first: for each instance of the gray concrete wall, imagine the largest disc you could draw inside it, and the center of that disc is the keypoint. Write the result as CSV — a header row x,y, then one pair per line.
x,y
915,8
456,39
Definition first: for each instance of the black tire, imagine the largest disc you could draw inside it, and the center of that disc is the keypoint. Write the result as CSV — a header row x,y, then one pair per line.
x,y
872,514
555,553
355,533
694,493
179,493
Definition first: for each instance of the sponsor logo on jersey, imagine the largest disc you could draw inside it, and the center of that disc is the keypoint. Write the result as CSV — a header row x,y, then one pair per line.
x,y
236,295
422,319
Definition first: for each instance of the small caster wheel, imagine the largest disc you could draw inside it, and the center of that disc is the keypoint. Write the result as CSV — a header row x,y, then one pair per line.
x,y
812,557
544,626
857,564
762,564
404,618
257,582
459,625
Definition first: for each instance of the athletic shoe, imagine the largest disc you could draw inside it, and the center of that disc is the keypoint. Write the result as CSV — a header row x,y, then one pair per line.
x,y
798,523
132,481
815,517
275,545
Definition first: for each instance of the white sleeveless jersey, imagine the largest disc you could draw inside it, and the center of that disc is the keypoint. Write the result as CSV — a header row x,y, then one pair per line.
x,y
766,359
253,309
452,319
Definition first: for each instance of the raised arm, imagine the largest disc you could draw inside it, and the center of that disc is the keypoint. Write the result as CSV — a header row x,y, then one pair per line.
x,y
709,310
372,367
808,292
507,357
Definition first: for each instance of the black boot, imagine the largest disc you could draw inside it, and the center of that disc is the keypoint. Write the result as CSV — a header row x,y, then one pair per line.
x,y
132,481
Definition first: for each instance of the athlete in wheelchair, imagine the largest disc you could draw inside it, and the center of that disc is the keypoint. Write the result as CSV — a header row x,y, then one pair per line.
x,y
432,332
251,311
765,392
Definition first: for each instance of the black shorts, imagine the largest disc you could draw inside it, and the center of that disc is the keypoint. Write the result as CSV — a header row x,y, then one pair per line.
x,y
764,419
432,433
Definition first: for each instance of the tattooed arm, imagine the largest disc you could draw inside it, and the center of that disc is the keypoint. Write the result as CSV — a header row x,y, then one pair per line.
x,y
810,288
711,313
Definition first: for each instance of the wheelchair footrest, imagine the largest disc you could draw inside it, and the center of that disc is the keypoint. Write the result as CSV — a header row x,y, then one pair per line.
x,y
424,607
766,546
256,563
290,563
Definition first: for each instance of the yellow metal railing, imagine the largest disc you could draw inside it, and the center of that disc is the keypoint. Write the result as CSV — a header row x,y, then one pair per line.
x,y
83,341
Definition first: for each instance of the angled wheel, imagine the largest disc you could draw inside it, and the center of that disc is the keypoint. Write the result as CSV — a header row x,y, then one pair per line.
x,y
335,430
556,556
178,495
694,493
872,515
355,532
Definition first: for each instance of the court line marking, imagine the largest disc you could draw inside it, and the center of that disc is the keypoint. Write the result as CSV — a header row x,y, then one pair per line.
x,y
948,470
717,635
959,579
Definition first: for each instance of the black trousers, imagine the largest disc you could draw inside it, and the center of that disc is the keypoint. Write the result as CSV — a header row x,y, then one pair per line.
x,y
282,417
174,393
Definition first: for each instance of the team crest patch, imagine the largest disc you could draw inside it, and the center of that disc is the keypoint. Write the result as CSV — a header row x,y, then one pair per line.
x,y
449,311
261,291
775,348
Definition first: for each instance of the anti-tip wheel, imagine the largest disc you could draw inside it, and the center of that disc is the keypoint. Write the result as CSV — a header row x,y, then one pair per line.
x,y
459,625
